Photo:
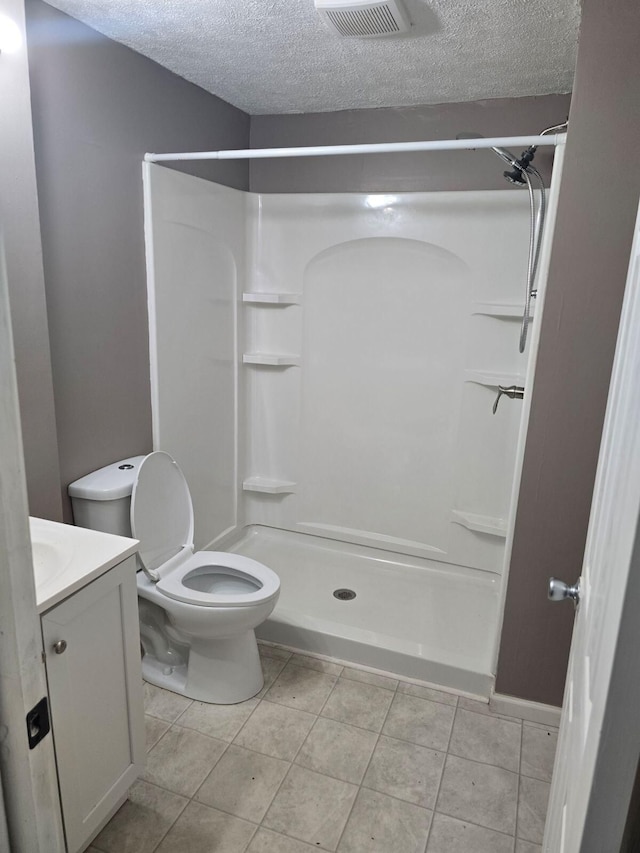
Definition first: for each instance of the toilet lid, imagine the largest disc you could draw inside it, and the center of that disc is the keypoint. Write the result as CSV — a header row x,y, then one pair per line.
x,y
161,509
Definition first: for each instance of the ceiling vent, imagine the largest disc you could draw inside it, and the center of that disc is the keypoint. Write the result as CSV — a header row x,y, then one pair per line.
x,y
364,19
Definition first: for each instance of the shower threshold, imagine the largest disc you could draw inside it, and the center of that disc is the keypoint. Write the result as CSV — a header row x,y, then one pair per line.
x,y
420,619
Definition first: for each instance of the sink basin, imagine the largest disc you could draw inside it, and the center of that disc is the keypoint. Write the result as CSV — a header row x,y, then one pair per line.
x,y
52,551
67,558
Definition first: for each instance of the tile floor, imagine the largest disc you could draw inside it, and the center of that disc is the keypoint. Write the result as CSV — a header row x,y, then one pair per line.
x,y
337,759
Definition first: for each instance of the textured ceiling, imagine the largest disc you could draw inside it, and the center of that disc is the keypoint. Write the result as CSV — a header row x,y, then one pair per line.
x,y
276,56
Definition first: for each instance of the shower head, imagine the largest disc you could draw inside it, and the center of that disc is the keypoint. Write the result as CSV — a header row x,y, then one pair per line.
x,y
515,177
507,156
517,166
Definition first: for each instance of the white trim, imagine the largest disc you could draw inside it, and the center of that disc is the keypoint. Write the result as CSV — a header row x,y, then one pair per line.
x,y
532,712
368,148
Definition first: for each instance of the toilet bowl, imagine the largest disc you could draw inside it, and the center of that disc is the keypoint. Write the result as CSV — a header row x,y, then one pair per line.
x,y
198,609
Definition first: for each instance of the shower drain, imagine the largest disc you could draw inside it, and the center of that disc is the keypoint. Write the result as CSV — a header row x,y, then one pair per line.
x,y
344,594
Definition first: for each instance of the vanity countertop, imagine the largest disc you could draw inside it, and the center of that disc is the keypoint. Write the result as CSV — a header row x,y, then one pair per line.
x,y
66,558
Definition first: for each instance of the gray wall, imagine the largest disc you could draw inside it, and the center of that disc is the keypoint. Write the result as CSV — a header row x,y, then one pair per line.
x,y
19,222
97,108
475,170
596,213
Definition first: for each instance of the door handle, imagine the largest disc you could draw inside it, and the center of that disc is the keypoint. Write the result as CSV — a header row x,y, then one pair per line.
x,y
560,591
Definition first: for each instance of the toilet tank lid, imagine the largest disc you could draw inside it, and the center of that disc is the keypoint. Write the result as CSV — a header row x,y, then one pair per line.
x,y
109,483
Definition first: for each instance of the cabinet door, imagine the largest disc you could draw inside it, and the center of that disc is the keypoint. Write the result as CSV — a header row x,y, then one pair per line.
x,y
95,689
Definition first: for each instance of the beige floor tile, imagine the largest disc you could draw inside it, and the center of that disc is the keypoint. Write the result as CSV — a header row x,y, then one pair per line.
x,y
482,708
370,678
271,669
201,829
428,693
154,729
266,841
337,750
420,721
301,688
449,835
533,798
538,752
405,771
163,703
243,783
219,721
316,663
381,824
491,740
358,704
273,652
140,824
548,728
311,807
479,793
527,847
275,730
182,759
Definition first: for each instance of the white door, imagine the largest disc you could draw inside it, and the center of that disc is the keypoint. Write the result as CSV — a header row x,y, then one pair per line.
x,y
30,794
609,554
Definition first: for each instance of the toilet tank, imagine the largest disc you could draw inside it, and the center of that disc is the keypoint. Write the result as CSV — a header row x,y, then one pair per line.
x,y
102,500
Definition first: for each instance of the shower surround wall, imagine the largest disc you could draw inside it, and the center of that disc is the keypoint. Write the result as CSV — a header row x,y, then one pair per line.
x,y
324,369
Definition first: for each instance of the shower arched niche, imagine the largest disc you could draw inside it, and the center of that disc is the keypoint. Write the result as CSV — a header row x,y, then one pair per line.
x,y
324,368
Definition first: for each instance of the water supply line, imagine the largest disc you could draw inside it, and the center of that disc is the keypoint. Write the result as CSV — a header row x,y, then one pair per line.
x,y
523,172
537,217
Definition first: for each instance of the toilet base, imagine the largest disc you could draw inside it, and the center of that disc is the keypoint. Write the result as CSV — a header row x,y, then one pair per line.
x,y
222,672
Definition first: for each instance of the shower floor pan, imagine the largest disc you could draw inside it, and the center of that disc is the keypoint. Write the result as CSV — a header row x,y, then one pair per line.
x,y
420,619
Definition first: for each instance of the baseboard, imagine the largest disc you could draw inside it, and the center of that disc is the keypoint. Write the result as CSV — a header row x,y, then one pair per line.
x,y
533,712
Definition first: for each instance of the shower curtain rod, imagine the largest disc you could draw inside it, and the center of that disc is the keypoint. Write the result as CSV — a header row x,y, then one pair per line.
x,y
369,148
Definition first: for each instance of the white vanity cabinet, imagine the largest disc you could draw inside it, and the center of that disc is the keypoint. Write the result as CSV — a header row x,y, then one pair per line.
x,y
92,648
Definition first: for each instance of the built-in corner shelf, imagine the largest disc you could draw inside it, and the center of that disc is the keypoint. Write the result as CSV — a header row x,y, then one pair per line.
x,y
271,298
491,379
268,486
271,359
503,310
480,523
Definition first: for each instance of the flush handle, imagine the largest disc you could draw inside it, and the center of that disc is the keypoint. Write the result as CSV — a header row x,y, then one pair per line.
x,y
560,591
60,647
514,392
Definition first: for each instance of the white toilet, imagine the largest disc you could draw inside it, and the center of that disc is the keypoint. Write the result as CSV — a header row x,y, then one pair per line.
x,y
198,610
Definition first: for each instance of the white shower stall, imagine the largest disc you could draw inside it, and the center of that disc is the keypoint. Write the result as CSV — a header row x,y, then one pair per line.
x,y
323,369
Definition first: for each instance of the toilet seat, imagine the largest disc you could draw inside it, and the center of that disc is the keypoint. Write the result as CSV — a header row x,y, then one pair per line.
x,y
261,584
162,519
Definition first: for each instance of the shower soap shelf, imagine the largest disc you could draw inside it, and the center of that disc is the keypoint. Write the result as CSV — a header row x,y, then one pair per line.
x,y
271,359
268,486
480,523
272,298
491,379
504,310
